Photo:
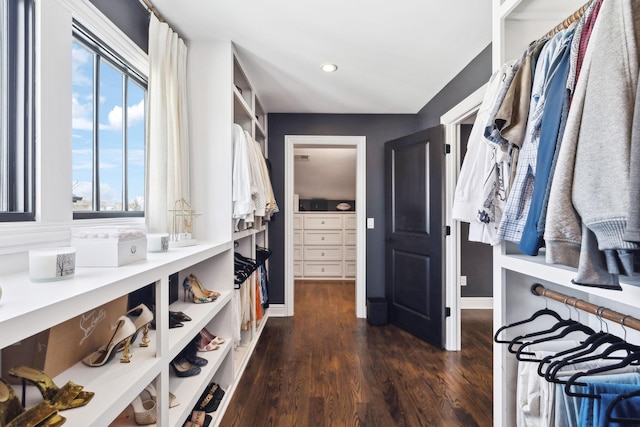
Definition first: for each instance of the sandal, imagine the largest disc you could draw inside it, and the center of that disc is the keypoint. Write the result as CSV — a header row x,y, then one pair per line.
x,y
12,414
65,397
211,398
208,335
204,344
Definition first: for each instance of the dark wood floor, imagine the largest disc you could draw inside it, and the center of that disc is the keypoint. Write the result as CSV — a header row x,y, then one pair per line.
x,y
324,367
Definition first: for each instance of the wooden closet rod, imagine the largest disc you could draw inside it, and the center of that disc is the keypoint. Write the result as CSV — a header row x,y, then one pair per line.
x,y
605,313
570,20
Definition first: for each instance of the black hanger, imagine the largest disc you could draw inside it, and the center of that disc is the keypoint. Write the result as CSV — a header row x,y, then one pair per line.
x,y
555,358
573,380
575,326
611,419
544,312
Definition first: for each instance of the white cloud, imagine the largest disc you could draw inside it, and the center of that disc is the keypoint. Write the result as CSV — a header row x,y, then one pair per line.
x,y
80,58
135,113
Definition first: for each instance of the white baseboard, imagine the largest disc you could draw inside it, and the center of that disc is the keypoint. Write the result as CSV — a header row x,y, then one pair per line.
x,y
476,303
277,310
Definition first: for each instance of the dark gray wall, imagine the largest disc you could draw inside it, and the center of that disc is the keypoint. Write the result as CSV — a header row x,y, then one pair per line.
x,y
378,129
130,16
474,75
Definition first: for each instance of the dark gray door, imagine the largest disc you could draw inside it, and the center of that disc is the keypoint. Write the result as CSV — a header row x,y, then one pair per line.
x,y
415,234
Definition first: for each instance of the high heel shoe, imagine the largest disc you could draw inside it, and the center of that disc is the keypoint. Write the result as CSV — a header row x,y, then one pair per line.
x,y
12,414
141,317
151,390
198,283
144,412
191,287
212,338
68,396
123,333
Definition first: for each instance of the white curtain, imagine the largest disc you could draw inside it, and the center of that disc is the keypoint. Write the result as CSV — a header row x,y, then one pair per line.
x,y
167,126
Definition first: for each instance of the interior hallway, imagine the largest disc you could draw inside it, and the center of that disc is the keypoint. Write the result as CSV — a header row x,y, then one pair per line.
x,y
324,367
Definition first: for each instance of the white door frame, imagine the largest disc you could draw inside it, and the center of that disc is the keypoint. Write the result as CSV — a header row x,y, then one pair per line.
x,y
451,121
359,142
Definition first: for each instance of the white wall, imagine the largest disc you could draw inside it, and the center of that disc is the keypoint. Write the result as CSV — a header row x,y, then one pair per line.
x,y
330,173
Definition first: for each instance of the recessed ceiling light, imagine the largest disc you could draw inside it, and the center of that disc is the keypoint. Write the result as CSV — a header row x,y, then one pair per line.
x,y
329,68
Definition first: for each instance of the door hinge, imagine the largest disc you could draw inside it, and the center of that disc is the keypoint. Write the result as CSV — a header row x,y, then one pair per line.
x,y
447,148
447,312
447,230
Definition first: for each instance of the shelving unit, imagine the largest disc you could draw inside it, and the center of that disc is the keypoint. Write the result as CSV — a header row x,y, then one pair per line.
x,y
516,23
116,384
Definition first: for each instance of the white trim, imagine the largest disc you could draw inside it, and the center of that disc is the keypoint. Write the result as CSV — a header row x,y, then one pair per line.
x,y
361,241
95,21
451,121
277,310
476,303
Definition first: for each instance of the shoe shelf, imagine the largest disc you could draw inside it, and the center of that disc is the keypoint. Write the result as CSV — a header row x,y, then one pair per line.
x,y
27,308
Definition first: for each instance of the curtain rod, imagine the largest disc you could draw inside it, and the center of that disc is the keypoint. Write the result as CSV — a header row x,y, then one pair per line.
x,y
152,9
575,16
605,313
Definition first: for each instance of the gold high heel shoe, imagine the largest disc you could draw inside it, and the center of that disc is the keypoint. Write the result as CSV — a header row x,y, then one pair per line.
x,y
12,414
123,333
68,396
198,283
141,317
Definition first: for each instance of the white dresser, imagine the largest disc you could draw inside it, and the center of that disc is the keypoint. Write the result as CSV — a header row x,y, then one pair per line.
x,y
324,245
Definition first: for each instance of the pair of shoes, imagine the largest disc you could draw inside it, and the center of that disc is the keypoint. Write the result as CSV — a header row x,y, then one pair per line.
x,y
210,399
199,297
66,397
141,317
200,294
208,342
183,368
126,331
151,391
198,419
179,316
191,350
12,414
144,411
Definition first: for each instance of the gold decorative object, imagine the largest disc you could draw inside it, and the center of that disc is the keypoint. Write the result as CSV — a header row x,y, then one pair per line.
x,y
182,226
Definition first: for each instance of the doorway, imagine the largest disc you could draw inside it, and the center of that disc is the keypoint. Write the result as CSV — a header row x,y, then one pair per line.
x,y
315,141
454,122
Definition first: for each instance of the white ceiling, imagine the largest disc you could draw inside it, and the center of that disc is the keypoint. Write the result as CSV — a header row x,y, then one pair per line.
x,y
393,56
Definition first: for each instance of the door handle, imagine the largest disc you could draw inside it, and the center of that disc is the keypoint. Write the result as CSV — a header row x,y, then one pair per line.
x,y
389,241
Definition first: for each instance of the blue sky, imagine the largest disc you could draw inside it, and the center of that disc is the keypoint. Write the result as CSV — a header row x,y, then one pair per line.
x,y
110,130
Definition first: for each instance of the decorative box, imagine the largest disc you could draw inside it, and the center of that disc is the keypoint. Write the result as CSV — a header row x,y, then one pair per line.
x,y
108,246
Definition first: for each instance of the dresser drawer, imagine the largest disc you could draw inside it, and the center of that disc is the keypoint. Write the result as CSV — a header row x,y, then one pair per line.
x,y
297,222
320,253
297,237
349,222
350,237
322,269
349,253
350,269
319,237
323,222
297,253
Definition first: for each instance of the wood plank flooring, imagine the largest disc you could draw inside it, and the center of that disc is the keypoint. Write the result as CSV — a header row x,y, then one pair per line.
x,y
324,367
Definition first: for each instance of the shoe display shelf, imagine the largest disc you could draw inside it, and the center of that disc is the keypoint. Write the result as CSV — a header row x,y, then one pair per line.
x,y
27,308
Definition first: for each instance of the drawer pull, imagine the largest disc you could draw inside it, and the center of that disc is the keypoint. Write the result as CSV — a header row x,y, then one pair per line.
x,y
322,238
322,222
322,253
323,269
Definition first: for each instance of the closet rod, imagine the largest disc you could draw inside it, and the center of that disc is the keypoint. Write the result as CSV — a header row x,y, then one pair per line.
x,y
605,313
569,20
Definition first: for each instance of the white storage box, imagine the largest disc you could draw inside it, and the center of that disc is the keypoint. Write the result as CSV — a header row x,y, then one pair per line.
x,y
108,246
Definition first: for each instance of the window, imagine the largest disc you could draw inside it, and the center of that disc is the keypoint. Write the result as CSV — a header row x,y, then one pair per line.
x,y
108,139
17,170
